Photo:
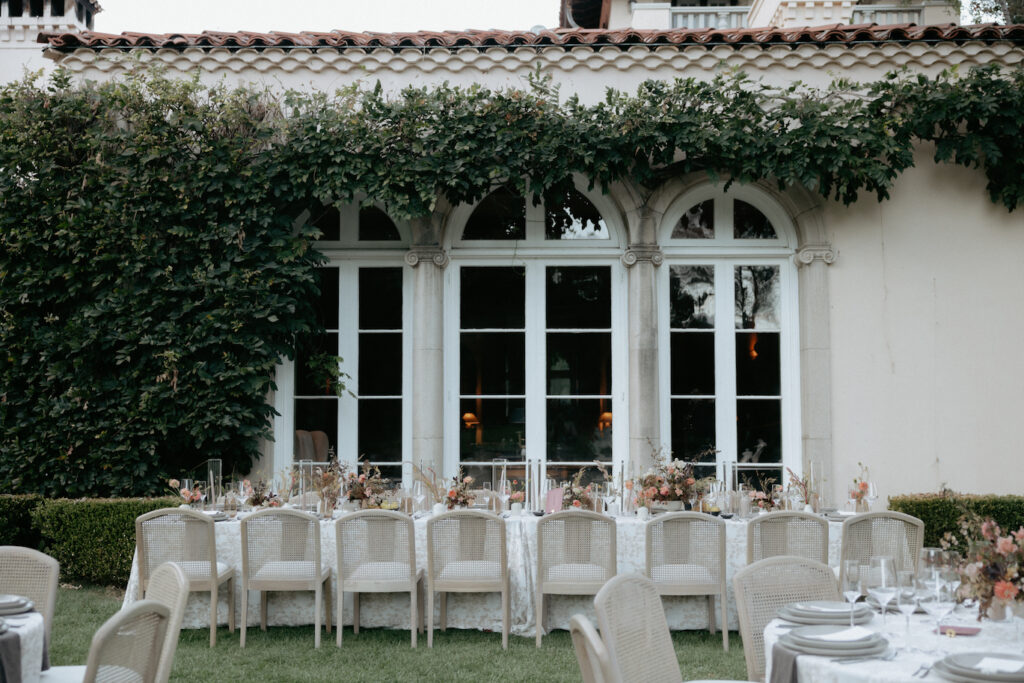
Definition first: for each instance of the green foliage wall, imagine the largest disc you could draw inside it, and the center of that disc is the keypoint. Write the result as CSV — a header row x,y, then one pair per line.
x,y
940,512
151,272
16,520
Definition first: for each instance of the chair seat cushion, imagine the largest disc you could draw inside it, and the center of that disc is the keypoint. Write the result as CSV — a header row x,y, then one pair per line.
x,y
470,570
63,674
199,570
380,571
682,573
581,571
288,570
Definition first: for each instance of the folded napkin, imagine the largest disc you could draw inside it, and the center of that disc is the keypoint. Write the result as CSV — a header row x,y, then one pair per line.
x,y
998,665
847,635
783,664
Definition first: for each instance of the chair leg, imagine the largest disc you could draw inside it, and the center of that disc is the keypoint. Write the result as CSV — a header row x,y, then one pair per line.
x,y
413,609
538,607
318,605
355,613
231,605
263,610
245,612
340,617
327,603
725,621
213,615
711,614
444,611
430,618
421,597
506,617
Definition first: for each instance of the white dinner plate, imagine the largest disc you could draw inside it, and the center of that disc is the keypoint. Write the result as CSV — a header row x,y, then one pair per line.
x,y
823,606
810,636
964,664
8,611
825,619
829,649
12,600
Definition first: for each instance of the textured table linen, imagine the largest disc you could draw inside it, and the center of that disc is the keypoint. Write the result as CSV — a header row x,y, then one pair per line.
x,y
23,649
994,637
469,610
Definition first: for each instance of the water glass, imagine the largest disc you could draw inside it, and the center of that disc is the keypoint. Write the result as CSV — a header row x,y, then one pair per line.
x,y
906,599
937,600
881,582
930,562
853,588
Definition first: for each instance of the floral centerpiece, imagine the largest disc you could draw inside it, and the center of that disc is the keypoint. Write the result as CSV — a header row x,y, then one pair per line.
x,y
190,496
327,484
369,487
259,495
670,482
577,496
517,491
859,490
992,571
458,492
761,497
802,485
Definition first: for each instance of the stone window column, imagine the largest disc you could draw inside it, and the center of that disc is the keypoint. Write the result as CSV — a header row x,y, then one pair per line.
x,y
427,398
644,387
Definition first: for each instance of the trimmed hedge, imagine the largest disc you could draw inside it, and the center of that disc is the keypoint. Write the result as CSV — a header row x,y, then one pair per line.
x,y
93,538
941,511
16,520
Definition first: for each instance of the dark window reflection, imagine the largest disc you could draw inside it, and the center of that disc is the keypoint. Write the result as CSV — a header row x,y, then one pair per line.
x,y
312,381
380,364
693,363
697,223
328,221
318,415
380,298
568,215
579,297
758,430
327,302
493,298
692,296
493,363
500,216
492,428
693,429
749,223
757,364
579,429
375,225
580,363
380,430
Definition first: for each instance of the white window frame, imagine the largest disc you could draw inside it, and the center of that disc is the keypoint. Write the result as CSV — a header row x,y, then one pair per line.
x,y
535,254
724,252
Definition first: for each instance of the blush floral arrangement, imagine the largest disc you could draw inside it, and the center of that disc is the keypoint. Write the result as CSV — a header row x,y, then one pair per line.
x,y
193,495
518,491
575,495
259,495
369,487
458,492
860,488
991,570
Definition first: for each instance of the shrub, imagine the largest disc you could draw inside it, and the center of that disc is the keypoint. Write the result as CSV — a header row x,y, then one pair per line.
x,y
16,517
940,511
93,539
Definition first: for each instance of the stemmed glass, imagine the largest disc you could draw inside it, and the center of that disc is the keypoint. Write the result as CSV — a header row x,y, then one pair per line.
x,y
929,564
881,582
906,598
853,587
777,492
937,600
504,492
419,495
872,495
608,495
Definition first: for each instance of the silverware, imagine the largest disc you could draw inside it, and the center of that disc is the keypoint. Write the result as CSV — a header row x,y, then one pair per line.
x,y
885,657
922,671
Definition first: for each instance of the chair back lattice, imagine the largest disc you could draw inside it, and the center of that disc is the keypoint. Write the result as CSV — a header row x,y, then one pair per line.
x,y
891,534
31,574
168,585
126,649
185,537
575,546
281,544
635,632
765,586
591,653
787,533
467,546
686,548
377,544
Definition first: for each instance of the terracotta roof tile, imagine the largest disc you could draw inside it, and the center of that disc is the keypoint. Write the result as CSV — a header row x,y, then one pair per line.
x,y
815,35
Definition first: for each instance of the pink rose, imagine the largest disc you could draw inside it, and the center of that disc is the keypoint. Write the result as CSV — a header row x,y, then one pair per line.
x,y
664,490
1005,545
576,504
1004,590
679,492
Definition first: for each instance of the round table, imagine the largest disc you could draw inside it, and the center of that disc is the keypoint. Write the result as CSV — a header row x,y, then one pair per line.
x,y
27,637
471,610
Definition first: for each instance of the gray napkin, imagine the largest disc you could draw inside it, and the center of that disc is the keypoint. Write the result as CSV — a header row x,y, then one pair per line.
x,y
10,657
783,664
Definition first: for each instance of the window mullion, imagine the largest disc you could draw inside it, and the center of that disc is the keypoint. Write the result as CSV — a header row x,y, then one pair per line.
x,y
536,362
725,363
348,348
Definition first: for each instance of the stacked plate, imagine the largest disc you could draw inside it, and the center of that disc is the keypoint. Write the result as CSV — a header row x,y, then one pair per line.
x,y
970,667
216,515
14,604
835,641
3,626
825,612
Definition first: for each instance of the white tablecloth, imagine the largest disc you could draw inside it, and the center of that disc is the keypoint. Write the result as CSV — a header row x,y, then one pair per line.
x,y
994,637
31,632
478,611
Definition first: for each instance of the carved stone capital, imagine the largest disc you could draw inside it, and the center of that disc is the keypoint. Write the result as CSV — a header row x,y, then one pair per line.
x,y
805,256
638,253
435,255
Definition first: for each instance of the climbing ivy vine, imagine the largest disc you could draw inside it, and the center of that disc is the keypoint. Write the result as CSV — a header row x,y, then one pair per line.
x,y
153,267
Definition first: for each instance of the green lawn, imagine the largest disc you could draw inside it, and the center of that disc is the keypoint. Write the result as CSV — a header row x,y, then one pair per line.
x,y
284,654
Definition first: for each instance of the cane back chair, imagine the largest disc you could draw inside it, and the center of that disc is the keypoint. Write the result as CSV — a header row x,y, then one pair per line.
x,y
891,534
799,534
635,632
31,574
169,586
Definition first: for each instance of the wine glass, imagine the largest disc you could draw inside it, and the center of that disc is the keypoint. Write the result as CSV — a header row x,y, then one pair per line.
x,y
608,495
929,563
777,493
937,600
872,495
906,598
419,495
853,588
881,582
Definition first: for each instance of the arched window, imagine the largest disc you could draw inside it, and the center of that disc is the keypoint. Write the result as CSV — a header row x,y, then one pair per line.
x,y
730,392
364,309
535,335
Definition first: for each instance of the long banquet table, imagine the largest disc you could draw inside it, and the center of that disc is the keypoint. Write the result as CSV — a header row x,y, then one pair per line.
x,y
471,610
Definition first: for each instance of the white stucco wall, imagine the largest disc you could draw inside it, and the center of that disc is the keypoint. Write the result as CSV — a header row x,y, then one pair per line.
x,y
927,332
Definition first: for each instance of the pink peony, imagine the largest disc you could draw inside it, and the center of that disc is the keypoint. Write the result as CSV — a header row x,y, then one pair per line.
x,y
174,483
664,490
576,504
679,492
1004,590
1005,545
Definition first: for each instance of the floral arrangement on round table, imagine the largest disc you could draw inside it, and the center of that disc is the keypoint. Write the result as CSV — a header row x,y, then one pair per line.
x,y
992,571
190,496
